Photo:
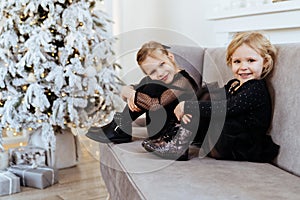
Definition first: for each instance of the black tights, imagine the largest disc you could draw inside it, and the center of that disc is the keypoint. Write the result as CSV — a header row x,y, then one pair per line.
x,y
155,120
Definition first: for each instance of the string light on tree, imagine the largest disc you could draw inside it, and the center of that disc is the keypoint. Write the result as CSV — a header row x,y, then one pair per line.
x,y
46,57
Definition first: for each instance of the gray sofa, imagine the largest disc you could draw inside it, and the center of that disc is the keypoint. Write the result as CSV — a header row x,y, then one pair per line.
x,y
132,173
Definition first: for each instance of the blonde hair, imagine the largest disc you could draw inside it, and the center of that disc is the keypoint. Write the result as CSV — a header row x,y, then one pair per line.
x,y
153,49
259,43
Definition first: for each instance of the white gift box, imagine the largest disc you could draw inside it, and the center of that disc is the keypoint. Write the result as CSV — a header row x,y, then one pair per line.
x,y
66,152
36,177
9,183
3,160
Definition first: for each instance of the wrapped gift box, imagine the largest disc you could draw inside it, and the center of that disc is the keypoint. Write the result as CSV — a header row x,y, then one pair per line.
x,y
30,155
39,177
66,153
9,183
3,160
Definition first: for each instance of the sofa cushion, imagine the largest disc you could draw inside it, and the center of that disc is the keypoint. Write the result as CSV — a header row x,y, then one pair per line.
x,y
132,173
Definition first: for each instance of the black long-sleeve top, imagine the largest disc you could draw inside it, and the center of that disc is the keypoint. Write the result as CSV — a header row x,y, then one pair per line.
x,y
248,113
183,87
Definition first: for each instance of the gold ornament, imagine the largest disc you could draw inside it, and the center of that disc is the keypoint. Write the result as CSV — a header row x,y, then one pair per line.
x,y
24,87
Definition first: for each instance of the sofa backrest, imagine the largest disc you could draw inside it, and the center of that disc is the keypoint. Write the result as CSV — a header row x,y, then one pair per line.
x,y
215,68
285,88
284,84
190,58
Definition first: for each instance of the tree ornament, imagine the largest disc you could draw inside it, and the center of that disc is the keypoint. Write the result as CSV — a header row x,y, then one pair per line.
x,y
55,55
31,78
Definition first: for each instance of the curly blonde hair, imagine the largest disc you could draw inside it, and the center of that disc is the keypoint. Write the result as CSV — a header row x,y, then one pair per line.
x,y
258,42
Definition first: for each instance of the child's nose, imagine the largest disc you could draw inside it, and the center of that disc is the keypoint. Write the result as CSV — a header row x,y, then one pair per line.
x,y
244,66
160,73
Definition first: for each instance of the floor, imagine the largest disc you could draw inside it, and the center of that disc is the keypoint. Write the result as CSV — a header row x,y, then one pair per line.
x,y
82,182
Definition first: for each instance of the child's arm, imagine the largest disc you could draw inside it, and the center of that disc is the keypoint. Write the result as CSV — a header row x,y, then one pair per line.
x,y
253,95
179,87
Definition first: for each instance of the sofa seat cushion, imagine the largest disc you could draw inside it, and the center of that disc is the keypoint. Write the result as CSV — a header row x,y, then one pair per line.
x,y
132,173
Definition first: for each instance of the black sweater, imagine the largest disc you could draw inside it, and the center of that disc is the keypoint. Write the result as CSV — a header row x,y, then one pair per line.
x,y
247,114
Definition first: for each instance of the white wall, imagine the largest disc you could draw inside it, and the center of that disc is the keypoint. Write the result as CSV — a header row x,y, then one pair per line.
x,y
280,21
183,17
181,22
206,23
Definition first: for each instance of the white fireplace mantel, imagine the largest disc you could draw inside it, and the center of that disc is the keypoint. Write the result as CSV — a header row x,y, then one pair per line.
x,y
281,21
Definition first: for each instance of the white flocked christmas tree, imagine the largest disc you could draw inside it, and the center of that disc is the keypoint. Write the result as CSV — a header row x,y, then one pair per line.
x,y
56,66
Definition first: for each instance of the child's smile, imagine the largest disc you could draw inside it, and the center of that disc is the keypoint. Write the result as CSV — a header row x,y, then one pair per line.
x,y
247,64
245,75
160,68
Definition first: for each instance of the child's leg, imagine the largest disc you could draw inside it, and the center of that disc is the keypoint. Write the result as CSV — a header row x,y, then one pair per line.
x,y
199,126
124,119
156,120
152,89
120,129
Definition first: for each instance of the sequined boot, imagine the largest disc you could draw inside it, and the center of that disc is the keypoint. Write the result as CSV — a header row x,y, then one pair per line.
x,y
117,131
175,149
166,134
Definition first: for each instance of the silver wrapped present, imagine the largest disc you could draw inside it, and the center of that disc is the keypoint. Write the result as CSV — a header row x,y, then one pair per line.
x,y
66,153
3,160
9,183
29,155
36,177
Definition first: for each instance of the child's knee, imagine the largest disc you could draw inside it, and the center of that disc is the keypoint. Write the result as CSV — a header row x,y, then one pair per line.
x,y
152,89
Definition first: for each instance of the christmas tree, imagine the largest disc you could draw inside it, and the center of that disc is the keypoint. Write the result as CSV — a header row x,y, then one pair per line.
x,y
56,66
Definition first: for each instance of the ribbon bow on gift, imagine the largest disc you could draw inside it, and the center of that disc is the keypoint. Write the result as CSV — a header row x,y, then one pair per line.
x,y
29,155
6,174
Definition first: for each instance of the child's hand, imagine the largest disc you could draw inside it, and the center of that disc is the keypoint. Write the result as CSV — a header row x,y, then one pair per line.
x,y
131,104
179,112
186,118
128,94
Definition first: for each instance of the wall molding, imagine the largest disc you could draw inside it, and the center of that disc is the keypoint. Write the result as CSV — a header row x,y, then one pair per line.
x,y
279,20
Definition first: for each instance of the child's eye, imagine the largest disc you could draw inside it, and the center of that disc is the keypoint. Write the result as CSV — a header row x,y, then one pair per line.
x,y
161,64
151,73
236,61
251,60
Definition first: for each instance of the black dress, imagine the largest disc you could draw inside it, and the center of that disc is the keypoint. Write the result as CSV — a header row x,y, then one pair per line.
x,y
248,115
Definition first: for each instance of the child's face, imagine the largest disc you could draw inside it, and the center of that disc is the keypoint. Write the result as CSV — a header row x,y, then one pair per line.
x,y
246,63
160,67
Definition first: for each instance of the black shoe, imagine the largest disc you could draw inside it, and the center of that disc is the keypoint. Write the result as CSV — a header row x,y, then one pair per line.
x,y
115,132
107,134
